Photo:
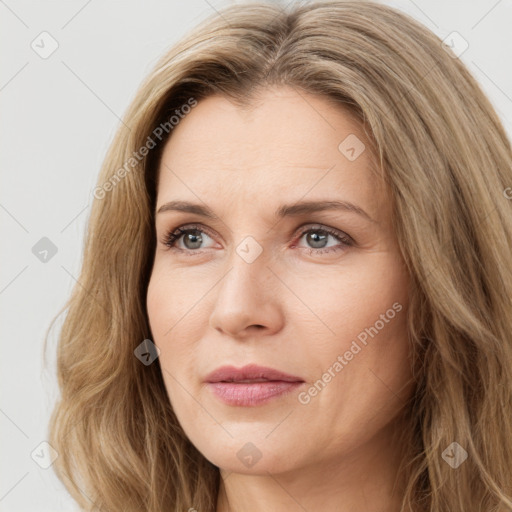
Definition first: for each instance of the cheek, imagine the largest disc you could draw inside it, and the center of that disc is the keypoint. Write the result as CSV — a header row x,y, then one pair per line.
x,y
170,297
343,304
165,309
171,315
358,354
178,307
374,333
158,303
360,350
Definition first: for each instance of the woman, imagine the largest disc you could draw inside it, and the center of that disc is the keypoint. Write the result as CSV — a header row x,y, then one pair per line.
x,y
296,289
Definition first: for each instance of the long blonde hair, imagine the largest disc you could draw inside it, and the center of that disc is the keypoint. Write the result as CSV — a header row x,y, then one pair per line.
x,y
446,157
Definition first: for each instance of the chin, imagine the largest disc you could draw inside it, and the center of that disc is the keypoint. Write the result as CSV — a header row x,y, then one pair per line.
x,y
256,457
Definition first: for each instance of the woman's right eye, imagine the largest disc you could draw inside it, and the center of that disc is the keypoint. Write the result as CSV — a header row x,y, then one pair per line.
x,y
190,236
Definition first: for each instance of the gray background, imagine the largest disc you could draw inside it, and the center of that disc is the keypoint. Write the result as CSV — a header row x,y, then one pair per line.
x,y
58,116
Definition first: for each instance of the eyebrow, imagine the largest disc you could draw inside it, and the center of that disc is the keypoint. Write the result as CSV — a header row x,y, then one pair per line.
x,y
301,208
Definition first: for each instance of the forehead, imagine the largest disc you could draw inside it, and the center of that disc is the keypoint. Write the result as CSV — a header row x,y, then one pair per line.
x,y
287,145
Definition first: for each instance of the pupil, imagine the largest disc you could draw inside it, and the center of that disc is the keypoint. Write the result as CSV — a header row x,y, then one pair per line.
x,y
194,239
315,239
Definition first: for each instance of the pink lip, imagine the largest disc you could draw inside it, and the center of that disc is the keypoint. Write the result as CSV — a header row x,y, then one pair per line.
x,y
260,384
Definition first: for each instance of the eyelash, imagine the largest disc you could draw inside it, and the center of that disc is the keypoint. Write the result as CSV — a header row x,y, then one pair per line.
x,y
171,237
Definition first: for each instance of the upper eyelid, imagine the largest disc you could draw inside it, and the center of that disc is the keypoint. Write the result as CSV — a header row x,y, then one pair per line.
x,y
191,227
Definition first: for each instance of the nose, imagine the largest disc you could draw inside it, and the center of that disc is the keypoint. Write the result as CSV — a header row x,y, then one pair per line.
x,y
247,303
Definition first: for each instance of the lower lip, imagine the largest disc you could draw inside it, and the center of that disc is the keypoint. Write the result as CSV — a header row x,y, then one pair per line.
x,y
250,394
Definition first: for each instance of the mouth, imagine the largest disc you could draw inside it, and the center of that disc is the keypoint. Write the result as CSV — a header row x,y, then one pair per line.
x,y
251,385
250,373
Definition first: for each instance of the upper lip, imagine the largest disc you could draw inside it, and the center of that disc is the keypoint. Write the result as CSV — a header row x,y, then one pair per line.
x,y
249,373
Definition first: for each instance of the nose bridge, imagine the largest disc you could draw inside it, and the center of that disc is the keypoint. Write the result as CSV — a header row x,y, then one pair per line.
x,y
248,277
246,295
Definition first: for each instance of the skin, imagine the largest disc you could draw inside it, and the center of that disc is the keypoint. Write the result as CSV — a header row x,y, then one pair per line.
x,y
289,309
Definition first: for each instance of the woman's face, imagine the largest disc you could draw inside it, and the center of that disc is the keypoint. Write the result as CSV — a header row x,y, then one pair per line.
x,y
272,273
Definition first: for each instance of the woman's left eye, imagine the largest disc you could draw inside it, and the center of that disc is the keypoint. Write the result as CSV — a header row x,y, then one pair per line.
x,y
318,237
